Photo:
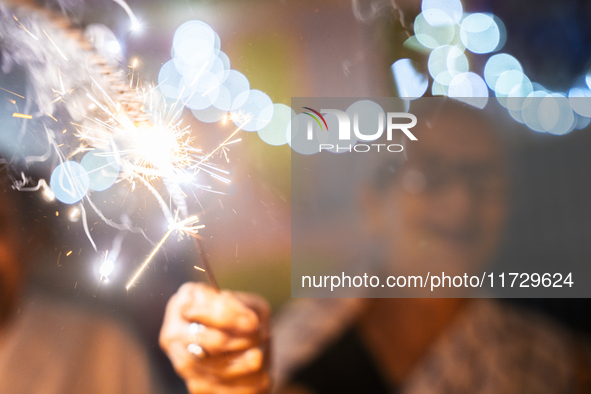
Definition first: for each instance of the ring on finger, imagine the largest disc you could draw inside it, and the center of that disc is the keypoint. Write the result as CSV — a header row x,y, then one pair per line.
x,y
194,347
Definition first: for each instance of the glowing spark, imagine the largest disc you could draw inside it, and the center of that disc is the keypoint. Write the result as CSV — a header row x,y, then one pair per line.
x,y
220,146
136,26
185,226
69,253
189,225
48,114
132,281
22,116
48,193
24,28
74,213
199,268
241,116
106,268
6,90
100,105
63,91
56,47
135,23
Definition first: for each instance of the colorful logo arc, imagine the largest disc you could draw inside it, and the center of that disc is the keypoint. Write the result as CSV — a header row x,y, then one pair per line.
x,y
316,118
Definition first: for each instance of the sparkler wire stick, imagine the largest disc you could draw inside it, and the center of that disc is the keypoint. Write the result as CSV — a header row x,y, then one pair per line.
x,y
206,266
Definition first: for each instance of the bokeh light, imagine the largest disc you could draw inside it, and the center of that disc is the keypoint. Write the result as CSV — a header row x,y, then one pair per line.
x,y
409,82
199,75
209,115
441,32
432,9
502,33
253,111
446,62
556,115
203,91
414,45
438,89
367,119
169,80
69,182
479,33
277,131
445,33
581,122
530,108
333,137
299,141
497,65
101,168
469,88
512,83
234,85
194,43
580,100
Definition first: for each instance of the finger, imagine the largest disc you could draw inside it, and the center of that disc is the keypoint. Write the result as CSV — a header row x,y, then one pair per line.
x,y
221,310
233,365
216,342
184,363
243,370
256,303
223,366
172,323
256,383
263,311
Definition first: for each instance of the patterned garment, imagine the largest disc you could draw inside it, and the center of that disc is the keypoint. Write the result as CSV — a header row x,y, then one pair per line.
x,y
490,348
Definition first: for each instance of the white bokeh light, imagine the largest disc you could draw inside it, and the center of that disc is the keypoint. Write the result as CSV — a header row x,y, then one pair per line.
x,y
409,82
479,33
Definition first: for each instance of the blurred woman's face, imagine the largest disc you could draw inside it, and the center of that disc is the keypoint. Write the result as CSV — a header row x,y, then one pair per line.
x,y
11,267
445,209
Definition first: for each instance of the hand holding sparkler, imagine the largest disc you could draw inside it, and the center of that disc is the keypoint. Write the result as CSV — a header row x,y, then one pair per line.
x,y
217,341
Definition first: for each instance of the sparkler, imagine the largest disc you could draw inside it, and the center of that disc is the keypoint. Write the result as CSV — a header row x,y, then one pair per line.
x,y
129,128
